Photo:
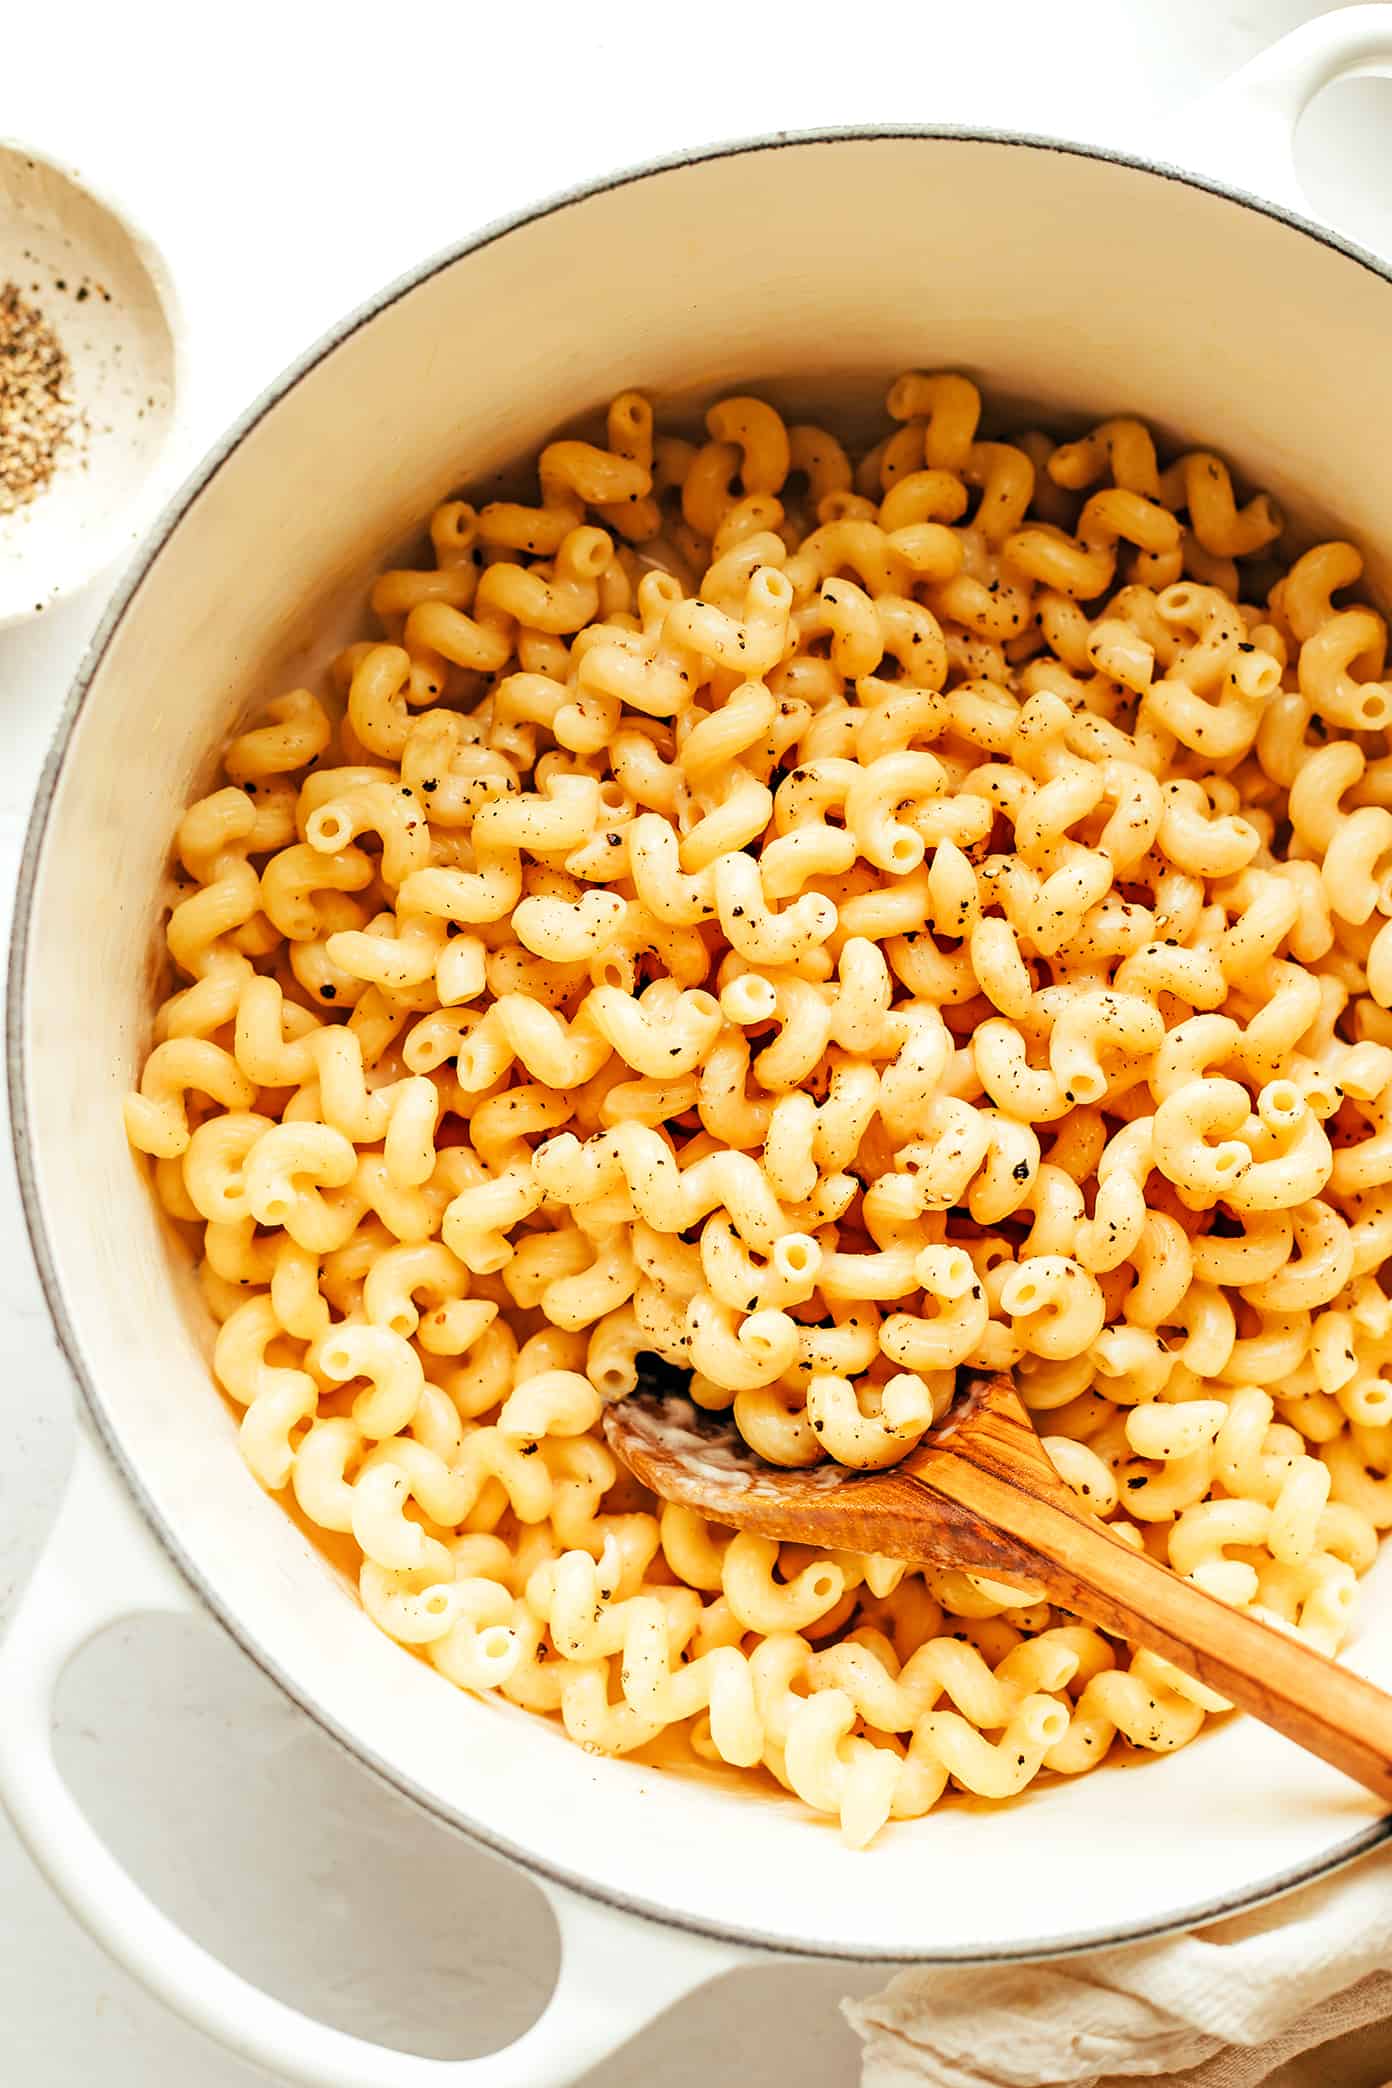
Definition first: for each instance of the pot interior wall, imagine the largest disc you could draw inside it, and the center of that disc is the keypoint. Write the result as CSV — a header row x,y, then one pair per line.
x,y
1079,285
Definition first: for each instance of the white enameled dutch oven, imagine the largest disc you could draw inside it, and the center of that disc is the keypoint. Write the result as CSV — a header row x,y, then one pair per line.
x,y
1077,282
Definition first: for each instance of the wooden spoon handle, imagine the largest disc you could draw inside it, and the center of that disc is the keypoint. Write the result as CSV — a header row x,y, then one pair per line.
x,y
1334,1714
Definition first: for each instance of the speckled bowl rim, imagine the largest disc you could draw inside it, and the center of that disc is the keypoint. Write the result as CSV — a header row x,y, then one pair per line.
x,y
154,504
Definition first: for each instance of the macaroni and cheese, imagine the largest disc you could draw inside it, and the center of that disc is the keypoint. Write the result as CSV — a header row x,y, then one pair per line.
x,y
822,924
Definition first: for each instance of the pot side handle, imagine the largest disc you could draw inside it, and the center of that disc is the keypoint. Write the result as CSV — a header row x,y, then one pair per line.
x,y
102,1563
1243,130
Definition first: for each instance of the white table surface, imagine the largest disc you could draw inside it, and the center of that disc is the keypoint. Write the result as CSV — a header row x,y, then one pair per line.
x,y
290,158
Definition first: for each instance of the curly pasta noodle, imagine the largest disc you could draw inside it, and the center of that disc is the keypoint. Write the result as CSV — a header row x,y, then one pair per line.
x,y
821,924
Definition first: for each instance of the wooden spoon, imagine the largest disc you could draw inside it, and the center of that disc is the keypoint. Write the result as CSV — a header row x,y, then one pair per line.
x,y
979,1493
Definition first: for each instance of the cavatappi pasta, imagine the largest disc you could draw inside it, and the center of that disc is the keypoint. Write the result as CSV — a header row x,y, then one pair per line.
x,y
822,924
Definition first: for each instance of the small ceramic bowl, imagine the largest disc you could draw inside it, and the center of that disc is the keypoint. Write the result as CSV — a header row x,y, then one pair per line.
x,y
105,292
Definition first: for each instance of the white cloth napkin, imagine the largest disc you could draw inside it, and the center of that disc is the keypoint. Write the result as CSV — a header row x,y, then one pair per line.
x,y
1223,2008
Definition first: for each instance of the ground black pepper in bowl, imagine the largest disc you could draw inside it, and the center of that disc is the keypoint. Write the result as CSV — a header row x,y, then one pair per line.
x,y
37,416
